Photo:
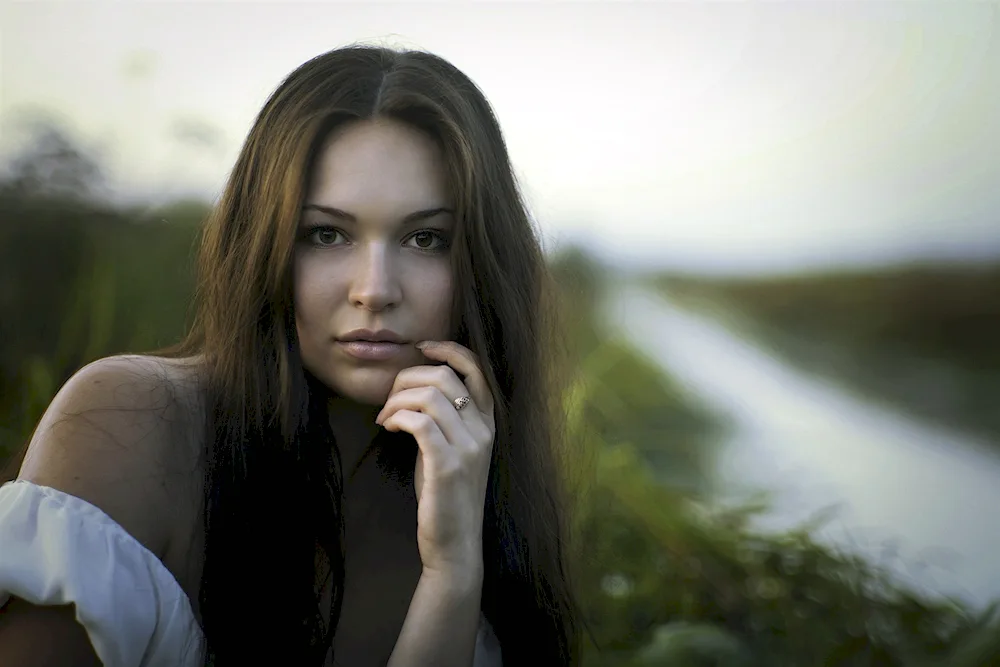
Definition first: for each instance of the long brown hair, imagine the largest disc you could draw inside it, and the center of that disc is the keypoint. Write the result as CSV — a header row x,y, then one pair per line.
x,y
273,478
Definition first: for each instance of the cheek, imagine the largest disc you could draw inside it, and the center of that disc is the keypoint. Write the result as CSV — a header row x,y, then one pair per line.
x,y
312,292
314,284
433,297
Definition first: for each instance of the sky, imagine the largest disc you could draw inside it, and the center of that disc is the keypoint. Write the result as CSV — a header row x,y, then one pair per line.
x,y
724,137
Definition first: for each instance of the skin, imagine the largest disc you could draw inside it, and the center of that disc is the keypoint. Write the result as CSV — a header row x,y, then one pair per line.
x,y
374,253
372,271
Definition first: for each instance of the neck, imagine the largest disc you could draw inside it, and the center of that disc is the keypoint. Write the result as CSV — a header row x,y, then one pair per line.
x,y
354,427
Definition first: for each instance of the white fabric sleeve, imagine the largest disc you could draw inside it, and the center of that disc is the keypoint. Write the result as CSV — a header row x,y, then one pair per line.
x,y
56,549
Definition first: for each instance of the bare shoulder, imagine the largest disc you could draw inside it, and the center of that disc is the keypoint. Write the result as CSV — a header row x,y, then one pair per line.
x,y
123,434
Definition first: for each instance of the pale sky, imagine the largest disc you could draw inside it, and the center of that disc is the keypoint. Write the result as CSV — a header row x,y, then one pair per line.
x,y
721,136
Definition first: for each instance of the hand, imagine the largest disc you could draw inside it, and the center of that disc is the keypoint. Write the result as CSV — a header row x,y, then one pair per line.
x,y
453,458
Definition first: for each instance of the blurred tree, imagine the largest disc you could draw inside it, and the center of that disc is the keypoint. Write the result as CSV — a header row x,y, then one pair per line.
x,y
79,279
51,164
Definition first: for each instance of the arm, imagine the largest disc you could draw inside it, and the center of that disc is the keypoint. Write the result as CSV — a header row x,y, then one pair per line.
x,y
32,636
103,439
455,442
441,625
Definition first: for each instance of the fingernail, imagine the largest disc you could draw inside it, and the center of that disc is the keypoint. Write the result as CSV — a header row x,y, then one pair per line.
x,y
422,344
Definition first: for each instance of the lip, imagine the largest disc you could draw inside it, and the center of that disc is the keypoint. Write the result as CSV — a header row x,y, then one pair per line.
x,y
370,350
369,336
368,345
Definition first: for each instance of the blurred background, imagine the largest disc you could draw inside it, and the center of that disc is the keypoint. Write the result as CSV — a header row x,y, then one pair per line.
x,y
776,229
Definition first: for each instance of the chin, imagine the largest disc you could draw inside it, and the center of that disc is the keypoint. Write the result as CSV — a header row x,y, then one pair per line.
x,y
375,396
364,386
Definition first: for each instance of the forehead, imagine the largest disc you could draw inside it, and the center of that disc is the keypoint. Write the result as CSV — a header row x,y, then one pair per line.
x,y
378,167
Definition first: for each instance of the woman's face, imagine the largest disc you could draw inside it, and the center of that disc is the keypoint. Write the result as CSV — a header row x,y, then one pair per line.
x,y
373,269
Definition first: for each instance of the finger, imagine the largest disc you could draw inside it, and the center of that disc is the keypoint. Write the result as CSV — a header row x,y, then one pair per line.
x,y
430,401
442,377
446,380
466,364
423,428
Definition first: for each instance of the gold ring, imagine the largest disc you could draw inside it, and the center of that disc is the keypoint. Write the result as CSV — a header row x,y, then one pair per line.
x,y
461,402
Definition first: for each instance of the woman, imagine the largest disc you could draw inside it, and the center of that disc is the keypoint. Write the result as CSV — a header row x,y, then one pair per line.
x,y
350,459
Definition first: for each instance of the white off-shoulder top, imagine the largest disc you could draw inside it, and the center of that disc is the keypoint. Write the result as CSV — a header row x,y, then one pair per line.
x,y
57,549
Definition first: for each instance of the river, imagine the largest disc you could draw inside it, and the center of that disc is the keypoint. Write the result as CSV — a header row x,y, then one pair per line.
x,y
920,499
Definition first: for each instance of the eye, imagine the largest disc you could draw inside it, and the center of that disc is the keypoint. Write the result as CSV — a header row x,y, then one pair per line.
x,y
427,239
324,236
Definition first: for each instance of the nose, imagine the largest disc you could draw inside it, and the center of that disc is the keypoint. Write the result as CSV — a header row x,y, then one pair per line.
x,y
375,286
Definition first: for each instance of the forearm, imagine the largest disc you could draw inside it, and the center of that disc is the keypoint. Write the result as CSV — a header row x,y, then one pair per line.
x,y
441,624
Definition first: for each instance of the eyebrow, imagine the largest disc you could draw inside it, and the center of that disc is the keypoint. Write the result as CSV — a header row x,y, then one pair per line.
x,y
409,219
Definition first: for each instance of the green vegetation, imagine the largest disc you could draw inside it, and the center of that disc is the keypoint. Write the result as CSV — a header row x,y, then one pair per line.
x,y
666,579
663,578
923,339
79,282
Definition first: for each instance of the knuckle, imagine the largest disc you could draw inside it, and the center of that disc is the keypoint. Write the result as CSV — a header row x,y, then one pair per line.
x,y
424,424
444,373
484,435
469,452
